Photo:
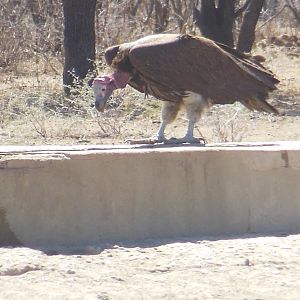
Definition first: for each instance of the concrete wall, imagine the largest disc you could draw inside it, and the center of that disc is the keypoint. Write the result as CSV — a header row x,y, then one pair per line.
x,y
67,196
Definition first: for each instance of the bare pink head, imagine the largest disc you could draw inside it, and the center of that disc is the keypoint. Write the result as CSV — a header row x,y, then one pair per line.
x,y
105,85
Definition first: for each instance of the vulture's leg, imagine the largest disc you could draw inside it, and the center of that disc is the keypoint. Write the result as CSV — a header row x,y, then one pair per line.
x,y
194,104
168,115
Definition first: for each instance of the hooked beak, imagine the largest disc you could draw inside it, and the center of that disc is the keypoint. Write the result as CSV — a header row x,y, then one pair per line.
x,y
101,101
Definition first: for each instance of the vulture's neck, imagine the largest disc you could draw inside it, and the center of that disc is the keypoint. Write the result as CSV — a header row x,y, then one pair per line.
x,y
120,79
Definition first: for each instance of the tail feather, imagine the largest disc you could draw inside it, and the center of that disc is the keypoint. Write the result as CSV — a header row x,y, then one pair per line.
x,y
253,66
260,105
268,81
263,75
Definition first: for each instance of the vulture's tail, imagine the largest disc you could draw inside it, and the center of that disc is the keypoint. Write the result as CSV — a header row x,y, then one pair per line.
x,y
260,73
260,105
266,78
253,66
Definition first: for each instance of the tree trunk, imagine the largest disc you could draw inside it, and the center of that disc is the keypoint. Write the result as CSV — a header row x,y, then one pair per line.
x,y
79,40
177,8
226,19
161,15
216,22
247,32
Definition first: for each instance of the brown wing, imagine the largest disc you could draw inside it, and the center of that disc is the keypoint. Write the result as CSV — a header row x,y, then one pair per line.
x,y
201,66
110,54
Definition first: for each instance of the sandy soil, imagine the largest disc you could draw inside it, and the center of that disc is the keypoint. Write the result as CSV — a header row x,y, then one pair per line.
x,y
246,267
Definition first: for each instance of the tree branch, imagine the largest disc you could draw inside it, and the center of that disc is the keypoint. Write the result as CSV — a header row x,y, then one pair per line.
x,y
292,6
273,17
240,10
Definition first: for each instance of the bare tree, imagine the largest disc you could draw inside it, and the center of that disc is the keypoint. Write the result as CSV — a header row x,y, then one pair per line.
x,y
161,15
247,32
294,8
216,20
79,40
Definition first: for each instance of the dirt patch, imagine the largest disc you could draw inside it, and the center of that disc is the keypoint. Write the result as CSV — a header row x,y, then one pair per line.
x,y
245,267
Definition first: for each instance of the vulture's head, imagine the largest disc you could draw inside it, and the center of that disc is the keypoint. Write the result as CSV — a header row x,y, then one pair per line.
x,y
103,88
105,85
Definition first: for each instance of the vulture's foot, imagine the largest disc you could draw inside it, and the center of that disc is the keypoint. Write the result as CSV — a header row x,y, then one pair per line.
x,y
174,141
186,140
147,141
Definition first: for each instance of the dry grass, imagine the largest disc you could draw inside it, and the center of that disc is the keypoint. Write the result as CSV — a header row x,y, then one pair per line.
x,y
34,110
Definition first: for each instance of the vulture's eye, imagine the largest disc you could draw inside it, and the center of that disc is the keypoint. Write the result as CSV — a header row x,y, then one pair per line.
x,y
103,89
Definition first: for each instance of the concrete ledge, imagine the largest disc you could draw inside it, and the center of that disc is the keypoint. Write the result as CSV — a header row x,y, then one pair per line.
x,y
73,196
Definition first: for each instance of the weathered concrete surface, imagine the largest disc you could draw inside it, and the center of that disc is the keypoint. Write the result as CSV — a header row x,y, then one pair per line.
x,y
67,196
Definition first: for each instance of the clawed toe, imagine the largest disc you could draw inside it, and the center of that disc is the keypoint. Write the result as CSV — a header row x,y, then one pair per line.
x,y
186,141
148,141
152,141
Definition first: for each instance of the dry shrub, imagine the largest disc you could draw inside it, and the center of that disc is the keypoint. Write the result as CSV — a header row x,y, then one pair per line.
x,y
33,29
228,124
277,21
120,21
30,30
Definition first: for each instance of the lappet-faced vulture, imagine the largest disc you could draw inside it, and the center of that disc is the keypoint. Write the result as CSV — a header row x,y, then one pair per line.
x,y
185,71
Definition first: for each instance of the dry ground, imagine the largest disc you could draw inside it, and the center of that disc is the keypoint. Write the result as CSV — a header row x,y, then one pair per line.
x,y
35,111
260,268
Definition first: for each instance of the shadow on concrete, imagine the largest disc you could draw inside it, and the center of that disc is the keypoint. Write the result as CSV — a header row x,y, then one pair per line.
x,y
148,243
7,237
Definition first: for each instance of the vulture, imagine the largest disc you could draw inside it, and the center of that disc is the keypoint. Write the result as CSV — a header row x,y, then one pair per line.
x,y
185,71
